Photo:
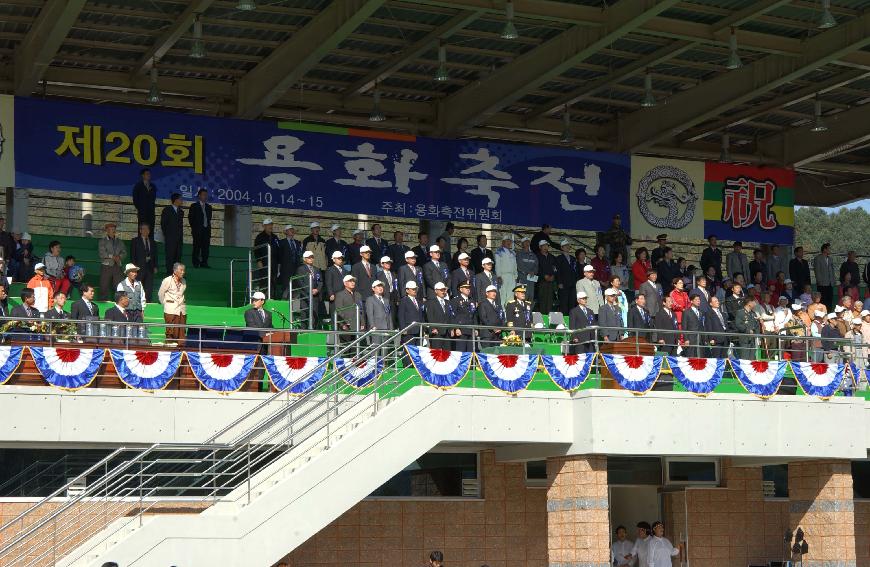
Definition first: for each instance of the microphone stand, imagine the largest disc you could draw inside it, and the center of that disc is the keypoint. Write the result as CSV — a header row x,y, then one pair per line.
x,y
283,318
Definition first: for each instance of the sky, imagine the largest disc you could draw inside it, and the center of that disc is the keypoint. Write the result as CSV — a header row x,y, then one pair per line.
x,y
862,204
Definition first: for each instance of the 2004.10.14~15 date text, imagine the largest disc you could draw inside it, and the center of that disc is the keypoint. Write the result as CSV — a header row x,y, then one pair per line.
x,y
267,198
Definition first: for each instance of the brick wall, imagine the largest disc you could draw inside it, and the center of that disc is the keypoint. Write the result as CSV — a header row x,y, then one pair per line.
x,y
862,533
508,527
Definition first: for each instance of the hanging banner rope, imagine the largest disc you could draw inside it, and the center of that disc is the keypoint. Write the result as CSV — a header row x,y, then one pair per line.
x,y
440,368
570,371
697,375
854,373
221,372
299,373
10,358
145,369
68,368
508,372
819,378
359,373
636,374
759,377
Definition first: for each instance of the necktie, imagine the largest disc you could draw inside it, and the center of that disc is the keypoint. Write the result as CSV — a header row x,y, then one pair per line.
x,y
90,308
263,315
368,269
414,301
147,245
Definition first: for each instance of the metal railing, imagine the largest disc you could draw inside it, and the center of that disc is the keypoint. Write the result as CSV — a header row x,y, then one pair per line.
x,y
224,468
303,308
260,277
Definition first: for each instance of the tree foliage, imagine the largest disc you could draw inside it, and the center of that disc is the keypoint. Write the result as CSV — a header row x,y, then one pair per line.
x,y
846,229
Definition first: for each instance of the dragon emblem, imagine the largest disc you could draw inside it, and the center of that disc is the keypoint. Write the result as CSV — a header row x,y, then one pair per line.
x,y
666,197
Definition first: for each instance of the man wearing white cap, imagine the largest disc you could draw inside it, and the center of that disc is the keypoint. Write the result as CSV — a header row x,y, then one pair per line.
x,y
590,286
353,257
567,274
349,309
816,333
379,313
479,253
411,272
527,268
506,264
491,315
579,318
256,316
411,313
485,279
266,245
378,244
315,243
610,316
439,315
334,242
461,274
364,272
391,283
310,284
855,348
334,277
396,250
435,271
289,258
831,336
135,291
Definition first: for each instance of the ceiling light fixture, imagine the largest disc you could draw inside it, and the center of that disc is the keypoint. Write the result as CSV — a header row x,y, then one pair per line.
x,y
819,124
376,114
510,30
441,74
246,5
649,99
197,50
725,154
154,94
567,135
734,61
827,19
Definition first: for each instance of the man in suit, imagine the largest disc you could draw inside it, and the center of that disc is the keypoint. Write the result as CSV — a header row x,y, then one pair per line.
x,y
379,313
712,257
199,216
112,252
483,280
659,252
27,309
391,283
799,270
639,317
397,249
461,274
479,253
256,316
411,272
144,198
265,245
464,314
334,277
289,258
143,253
86,310
435,271
172,224
666,322
579,318
701,291
823,267
716,323
118,315
693,325
422,249
747,324
378,245
653,292
349,309
567,274
667,269
590,286
439,316
411,313
352,257
491,315
610,318
736,262
546,285
310,284
364,272
335,243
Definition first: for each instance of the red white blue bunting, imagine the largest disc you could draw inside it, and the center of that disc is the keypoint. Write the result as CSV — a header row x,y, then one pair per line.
x,y
298,373
820,379
697,375
10,358
568,371
634,373
221,372
68,368
855,373
440,368
508,372
759,377
145,369
359,373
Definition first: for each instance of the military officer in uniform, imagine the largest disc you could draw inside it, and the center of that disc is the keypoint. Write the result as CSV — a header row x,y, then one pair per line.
x,y
518,313
464,313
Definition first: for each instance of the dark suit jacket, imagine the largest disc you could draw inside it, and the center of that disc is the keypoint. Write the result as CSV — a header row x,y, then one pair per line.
x,y
313,278
172,224
491,316
638,321
253,319
433,274
334,280
143,199
477,256
665,322
705,301
799,272
346,314
333,245
579,320
710,257
610,316
137,253
422,255
691,324
116,315
713,325
481,282
194,215
409,314
53,314
20,312
289,258
653,298
391,289
566,273
363,280
378,250
397,253
80,310
406,275
440,318
457,277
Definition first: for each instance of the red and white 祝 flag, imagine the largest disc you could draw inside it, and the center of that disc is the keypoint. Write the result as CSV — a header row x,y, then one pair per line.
x,y
68,368
636,374
221,372
508,372
440,368
697,375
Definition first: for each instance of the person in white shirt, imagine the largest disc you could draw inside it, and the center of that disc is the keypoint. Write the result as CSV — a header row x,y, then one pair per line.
x,y
620,550
640,549
660,549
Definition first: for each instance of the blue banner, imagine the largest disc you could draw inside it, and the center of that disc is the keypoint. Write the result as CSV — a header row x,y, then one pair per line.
x,y
92,148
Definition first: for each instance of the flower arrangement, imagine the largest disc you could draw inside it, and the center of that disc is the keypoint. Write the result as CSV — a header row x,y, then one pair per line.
x,y
55,329
512,340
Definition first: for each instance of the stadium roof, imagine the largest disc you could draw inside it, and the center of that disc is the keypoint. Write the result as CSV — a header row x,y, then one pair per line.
x,y
322,61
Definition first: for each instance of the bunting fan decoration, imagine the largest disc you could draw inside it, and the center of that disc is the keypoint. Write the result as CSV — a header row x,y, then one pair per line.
x,y
68,368
221,372
508,372
855,372
819,378
359,373
636,374
440,368
299,373
759,377
10,358
568,371
697,375
145,369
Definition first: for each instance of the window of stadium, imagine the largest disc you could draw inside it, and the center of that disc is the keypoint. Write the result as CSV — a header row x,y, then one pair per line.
x,y
435,475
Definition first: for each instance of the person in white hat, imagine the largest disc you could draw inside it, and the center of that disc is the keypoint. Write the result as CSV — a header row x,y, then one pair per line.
x,y
855,348
435,271
364,271
315,243
590,286
485,279
42,289
334,242
411,272
334,276
112,252
256,316
135,292
310,287
378,244
461,274
610,317
290,258
527,268
439,315
391,283
831,336
492,316
349,310
411,314
267,253
579,318
379,313
506,264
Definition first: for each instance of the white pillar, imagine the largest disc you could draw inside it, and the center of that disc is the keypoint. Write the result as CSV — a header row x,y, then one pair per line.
x,y
17,205
238,225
